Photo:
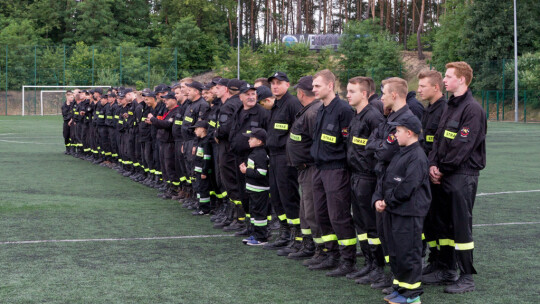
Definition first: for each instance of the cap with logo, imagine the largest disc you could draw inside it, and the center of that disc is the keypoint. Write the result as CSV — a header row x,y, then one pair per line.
x,y
200,124
257,133
280,76
246,87
235,84
196,85
223,82
169,95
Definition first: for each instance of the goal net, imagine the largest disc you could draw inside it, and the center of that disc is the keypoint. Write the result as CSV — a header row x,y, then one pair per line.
x,y
46,100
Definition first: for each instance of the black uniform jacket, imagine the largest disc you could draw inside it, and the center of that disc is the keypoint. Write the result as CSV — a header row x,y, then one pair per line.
x,y
405,185
383,141
225,117
145,130
213,115
430,123
376,102
164,125
301,135
158,112
179,120
67,111
257,171
460,142
282,116
203,162
359,159
329,148
194,111
243,121
417,108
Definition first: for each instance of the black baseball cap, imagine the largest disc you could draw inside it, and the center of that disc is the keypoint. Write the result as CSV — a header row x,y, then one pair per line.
x,y
305,83
235,84
148,93
200,124
111,94
169,95
280,76
257,133
246,87
410,122
223,82
160,88
216,80
196,85
121,94
208,86
97,90
263,92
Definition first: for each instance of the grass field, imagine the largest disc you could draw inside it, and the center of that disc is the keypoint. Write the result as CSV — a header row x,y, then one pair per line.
x,y
46,195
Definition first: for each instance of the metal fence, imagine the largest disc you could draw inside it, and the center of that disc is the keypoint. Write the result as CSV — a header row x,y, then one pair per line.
x,y
140,67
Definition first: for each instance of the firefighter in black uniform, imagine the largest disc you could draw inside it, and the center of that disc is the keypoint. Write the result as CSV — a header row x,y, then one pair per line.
x,y
67,115
298,146
430,88
112,122
86,112
180,165
457,156
202,167
383,143
145,136
256,170
97,106
227,90
122,132
78,123
137,153
363,179
131,125
103,130
195,109
164,135
251,115
284,193
403,196
331,179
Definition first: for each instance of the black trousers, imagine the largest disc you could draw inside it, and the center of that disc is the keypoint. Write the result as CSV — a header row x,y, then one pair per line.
x,y
188,160
147,148
219,190
456,202
104,141
66,134
203,187
284,193
241,180
433,225
137,150
259,211
332,197
179,161
365,218
157,156
73,135
166,152
404,242
228,172
82,133
308,221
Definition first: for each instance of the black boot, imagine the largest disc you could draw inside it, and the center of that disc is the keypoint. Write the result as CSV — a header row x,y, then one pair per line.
x,y
282,240
344,268
375,275
306,251
465,283
330,262
317,257
368,266
294,242
228,218
237,224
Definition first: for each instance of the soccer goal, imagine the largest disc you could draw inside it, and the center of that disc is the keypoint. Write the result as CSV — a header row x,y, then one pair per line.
x,y
50,98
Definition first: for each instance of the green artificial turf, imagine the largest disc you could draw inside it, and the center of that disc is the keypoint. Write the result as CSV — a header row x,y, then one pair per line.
x,y
46,195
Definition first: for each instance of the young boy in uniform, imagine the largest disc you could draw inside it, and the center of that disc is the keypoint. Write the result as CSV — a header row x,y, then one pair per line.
x,y
202,164
257,186
403,196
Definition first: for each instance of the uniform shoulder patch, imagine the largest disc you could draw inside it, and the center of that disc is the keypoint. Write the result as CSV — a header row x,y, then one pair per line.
x,y
464,132
345,132
391,138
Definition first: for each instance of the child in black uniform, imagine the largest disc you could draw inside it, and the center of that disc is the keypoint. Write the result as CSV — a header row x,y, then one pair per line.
x,y
257,186
202,162
403,196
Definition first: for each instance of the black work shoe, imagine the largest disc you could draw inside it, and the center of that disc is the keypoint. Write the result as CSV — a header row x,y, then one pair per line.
x,y
375,275
440,277
277,244
307,249
292,247
343,269
465,283
328,263
199,212
388,290
384,282
360,272
220,225
243,232
235,225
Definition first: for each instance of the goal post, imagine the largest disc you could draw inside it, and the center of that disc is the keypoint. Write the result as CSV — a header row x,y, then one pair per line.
x,y
53,87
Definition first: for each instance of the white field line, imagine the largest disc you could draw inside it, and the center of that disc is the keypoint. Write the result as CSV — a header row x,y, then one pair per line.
x,y
28,142
118,239
506,192
506,224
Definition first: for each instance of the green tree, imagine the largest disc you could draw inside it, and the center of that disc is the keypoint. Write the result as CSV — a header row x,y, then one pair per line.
x,y
92,22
